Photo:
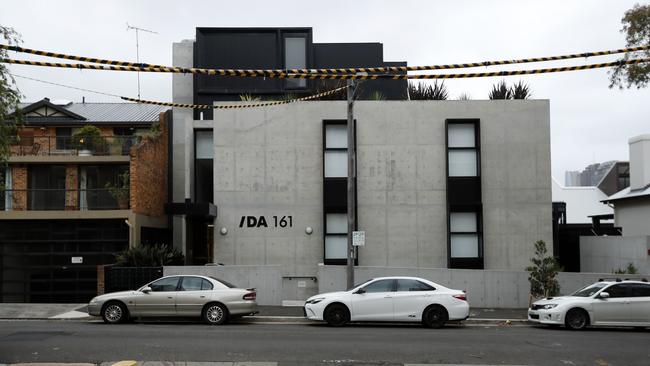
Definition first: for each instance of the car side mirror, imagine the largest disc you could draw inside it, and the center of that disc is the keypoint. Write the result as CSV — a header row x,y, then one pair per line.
x,y
603,295
146,289
360,291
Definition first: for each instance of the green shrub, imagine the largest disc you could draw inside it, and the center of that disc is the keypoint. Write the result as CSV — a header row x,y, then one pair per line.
x,y
150,256
543,273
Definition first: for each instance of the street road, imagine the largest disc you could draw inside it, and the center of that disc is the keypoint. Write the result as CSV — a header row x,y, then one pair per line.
x,y
296,344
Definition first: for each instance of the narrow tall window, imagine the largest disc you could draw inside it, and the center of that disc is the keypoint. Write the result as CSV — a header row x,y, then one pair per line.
x,y
335,205
204,166
464,203
295,57
5,188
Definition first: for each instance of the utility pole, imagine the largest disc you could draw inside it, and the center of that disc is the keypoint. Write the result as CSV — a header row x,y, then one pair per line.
x,y
137,47
352,175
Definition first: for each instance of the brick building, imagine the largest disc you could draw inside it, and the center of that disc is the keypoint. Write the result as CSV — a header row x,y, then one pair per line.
x,y
72,196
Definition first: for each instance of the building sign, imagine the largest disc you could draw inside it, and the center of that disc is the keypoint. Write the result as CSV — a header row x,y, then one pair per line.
x,y
262,221
358,238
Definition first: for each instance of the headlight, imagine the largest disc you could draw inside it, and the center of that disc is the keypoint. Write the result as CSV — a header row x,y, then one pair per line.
x,y
549,306
94,300
315,301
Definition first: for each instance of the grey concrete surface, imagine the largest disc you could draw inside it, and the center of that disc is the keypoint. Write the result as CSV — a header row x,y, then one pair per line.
x,y
611,253
36,311
96,342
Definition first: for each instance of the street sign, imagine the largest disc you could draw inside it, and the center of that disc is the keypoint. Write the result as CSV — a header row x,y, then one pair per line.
x,y
358,238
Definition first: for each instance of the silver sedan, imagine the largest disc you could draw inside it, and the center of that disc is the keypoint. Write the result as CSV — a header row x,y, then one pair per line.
x,y
214,300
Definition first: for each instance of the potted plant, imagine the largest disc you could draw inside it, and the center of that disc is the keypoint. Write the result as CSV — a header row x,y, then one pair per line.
x,y
120,190
88,139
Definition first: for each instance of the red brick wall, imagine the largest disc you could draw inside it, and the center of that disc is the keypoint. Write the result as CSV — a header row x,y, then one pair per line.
x,y
148,184
71,187
19,179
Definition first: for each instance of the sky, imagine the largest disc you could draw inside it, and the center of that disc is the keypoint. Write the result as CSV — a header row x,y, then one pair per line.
x,y
589,121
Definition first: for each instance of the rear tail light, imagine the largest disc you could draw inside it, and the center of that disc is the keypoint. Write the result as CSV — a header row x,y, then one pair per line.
x,y
460,297
250,296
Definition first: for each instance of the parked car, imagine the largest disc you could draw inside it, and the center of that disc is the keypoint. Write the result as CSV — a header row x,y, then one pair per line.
x,y
393,299
214,300
621,303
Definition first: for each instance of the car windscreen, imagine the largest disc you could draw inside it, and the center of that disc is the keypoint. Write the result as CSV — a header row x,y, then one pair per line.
x,y
227,284
589,290
360,284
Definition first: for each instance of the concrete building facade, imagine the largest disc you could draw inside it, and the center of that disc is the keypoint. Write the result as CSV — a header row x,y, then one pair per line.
x,y
440,184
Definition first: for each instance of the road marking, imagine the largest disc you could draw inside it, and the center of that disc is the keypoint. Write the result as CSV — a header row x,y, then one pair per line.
x,y
125,363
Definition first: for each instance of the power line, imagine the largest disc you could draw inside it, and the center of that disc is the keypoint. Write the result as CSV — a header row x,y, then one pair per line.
x,y
65,86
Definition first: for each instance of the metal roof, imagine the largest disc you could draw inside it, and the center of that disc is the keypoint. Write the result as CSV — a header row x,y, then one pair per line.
x,y
108,112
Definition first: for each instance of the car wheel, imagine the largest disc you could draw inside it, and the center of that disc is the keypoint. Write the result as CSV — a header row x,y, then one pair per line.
x,y
337,315
114,313
576,319
435,317
215,314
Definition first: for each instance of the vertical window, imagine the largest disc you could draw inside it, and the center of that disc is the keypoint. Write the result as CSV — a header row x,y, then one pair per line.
x,y
336,236
463,159
464,198
336,151
5,188
463,232
203,166
63,138
295,57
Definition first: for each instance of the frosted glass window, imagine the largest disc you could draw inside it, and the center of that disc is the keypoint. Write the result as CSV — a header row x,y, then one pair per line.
x,y
462,222
295,57
337,223
462,163
336,247
464,246
204,145
336,164
461,135
336,137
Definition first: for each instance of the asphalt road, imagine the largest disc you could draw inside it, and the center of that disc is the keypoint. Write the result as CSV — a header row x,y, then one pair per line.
x,y
292,344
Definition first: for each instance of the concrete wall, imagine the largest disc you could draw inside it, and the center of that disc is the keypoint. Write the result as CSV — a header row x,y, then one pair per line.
x,y
266,279
609,253
491,289
639,161
633,216
268,162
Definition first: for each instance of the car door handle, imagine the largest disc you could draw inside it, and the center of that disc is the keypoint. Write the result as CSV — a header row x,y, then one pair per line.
x,y
170,297
202,296
388,297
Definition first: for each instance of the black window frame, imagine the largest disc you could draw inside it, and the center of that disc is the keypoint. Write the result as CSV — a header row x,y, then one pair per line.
x,y
335,192
199,197
464,195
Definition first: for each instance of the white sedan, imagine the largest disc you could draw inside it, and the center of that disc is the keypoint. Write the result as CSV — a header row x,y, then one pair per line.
x,y
393,299
618,303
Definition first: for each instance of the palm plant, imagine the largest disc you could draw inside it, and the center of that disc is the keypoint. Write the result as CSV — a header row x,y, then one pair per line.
x,y
500,91
424,91
150,256
376,95
249,98
464,96
520,90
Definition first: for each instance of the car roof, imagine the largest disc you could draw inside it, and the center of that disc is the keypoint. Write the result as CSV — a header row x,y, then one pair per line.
x,y
611,282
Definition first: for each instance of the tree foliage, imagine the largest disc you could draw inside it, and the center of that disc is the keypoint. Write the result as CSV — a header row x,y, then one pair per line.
x,y
425,91
10,117
543,272
636,27
150,256
500,90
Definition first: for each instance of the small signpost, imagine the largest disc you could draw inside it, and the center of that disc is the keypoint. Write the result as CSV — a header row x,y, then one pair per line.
x,y
358,238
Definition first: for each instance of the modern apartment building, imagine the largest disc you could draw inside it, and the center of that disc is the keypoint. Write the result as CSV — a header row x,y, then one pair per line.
x,y
440,184
84,181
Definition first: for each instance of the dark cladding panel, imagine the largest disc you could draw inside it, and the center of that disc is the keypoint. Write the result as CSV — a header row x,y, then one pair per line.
x,y
464,190
335,192
236,49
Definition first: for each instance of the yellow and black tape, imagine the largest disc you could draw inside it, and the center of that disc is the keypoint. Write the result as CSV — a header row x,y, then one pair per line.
x,y
234,106
332,76
335,71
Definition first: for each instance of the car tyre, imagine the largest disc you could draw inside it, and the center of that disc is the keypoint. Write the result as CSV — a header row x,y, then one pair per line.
x,y
337,315
215,314
114,313
435,317
576,319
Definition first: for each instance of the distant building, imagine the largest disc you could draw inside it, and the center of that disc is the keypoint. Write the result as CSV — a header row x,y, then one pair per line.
x,y
610,176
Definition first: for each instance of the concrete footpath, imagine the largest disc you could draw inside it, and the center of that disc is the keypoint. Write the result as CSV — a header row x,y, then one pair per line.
x,y
290,314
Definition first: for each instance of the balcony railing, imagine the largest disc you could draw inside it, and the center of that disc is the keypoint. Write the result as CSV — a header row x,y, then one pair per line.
x,y
66,145
60,199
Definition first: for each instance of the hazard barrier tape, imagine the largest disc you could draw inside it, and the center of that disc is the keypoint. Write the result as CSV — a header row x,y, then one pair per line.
x,y
332,76
272,72
234,106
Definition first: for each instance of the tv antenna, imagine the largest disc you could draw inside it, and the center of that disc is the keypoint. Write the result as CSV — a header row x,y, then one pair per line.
x,y
137,46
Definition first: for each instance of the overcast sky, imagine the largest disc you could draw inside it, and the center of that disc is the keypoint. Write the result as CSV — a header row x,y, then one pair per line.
x,y
589,122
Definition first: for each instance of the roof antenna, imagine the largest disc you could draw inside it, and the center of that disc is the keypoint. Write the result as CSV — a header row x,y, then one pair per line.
x,y
137,47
